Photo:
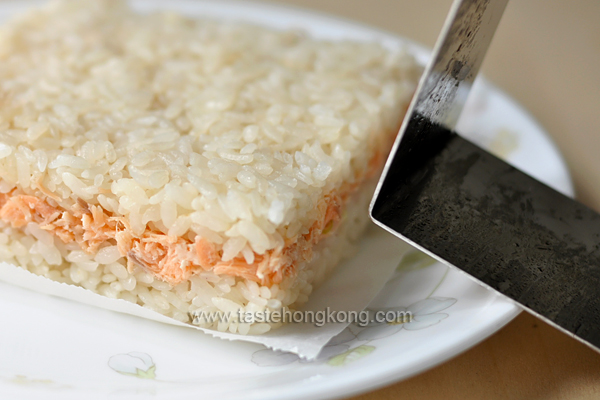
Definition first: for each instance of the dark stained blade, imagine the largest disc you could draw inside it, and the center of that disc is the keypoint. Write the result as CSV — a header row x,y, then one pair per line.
x,y
514,234
476,213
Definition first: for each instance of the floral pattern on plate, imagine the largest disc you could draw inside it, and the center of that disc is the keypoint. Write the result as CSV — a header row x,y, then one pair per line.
x,y
356,341
135,364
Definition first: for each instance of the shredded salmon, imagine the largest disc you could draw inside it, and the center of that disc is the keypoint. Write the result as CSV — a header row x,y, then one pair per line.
x,y
168,258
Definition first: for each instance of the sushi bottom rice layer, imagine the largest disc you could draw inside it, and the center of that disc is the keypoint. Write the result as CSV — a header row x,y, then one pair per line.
x,y
106,273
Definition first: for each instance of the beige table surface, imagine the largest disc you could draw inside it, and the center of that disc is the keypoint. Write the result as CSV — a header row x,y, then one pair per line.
x,y
546,54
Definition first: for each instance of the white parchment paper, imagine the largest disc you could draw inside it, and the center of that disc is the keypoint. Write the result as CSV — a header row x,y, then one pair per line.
x,y
351,287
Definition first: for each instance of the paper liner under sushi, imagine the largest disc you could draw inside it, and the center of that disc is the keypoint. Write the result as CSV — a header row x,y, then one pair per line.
x,y
351,287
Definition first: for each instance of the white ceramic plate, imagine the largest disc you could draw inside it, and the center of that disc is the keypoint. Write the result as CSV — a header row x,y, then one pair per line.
x,y
57,349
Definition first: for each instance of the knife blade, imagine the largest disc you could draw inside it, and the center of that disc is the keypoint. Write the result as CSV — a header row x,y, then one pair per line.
x,y
478,214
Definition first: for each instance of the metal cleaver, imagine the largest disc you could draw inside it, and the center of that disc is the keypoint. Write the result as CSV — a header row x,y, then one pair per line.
x,y
476,213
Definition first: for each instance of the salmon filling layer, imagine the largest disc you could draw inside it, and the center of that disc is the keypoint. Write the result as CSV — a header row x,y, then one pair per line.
x,y
171,259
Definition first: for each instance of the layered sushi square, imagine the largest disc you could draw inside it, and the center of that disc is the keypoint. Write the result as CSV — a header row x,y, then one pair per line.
x,y
189,165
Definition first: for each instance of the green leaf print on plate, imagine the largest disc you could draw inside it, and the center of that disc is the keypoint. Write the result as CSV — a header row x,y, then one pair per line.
x,y
350,355
415,260
135,364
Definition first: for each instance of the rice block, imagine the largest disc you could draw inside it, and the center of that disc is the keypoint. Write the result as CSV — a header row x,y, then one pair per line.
x,y
189,165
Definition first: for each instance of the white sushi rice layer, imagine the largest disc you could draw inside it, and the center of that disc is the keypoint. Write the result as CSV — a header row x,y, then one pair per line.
x,y
227,131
